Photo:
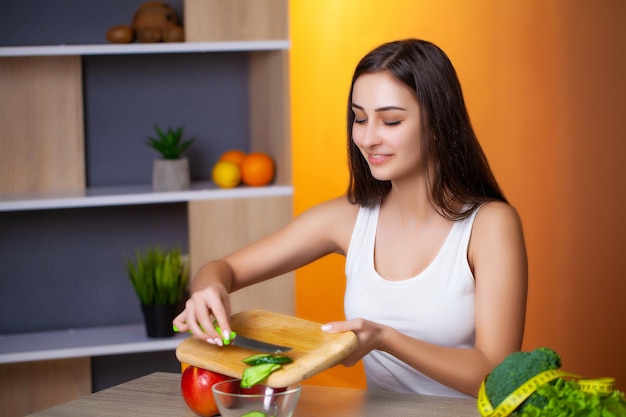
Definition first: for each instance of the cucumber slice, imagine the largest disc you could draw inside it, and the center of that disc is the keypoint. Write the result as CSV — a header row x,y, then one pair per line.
x,y
254,414
266,358
257,373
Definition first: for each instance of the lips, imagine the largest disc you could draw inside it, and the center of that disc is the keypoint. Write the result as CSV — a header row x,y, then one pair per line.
x,y
378,159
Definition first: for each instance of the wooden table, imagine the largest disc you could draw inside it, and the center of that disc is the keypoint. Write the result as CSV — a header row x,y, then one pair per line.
x,y
158,395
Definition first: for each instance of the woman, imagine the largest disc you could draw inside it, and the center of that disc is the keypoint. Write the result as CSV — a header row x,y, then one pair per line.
x,y
435,258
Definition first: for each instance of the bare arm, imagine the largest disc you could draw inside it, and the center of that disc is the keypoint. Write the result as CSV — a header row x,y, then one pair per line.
x,y
498,257
319,231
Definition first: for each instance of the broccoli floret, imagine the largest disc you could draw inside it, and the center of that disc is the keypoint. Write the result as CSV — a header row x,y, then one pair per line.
x,y
515,370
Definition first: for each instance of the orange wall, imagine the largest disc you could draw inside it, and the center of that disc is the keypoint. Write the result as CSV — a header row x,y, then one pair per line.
x,y
544,83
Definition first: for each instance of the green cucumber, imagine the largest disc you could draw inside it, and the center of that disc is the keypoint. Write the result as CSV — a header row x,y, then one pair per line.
x,y
266,358
257,373
254,414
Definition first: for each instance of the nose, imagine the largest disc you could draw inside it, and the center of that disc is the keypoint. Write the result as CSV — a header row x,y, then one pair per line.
x,y
367,136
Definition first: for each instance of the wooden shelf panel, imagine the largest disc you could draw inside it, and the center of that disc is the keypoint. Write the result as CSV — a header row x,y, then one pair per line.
x,y
131,195
144,48
76,343
41,124
218,20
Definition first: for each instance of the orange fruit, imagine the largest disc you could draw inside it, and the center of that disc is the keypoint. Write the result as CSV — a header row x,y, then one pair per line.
x,y
226,174
257,169
234,155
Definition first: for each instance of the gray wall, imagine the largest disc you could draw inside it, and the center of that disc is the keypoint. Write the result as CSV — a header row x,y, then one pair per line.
x,y
49,22
126,95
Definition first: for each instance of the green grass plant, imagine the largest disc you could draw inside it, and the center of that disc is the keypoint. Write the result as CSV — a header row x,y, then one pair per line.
x,y
159,276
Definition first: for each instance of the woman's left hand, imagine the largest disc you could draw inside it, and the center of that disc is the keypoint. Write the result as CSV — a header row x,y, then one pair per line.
x,y
368,333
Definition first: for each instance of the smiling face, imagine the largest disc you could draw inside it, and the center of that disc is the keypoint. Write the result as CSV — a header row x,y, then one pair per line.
x,y
386,126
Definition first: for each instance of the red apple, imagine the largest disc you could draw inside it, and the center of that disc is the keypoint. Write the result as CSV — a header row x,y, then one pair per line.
x,y
196,386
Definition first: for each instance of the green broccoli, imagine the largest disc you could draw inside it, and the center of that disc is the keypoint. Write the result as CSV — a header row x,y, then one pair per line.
x,y
515,370
558,398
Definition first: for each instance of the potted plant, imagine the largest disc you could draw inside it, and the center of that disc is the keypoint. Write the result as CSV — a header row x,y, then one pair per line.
x,y
171,172
159,278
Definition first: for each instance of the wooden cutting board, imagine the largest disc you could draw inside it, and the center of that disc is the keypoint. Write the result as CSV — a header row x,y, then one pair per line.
x,y
313,350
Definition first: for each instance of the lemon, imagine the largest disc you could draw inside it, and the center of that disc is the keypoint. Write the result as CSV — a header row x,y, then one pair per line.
x,y
226,174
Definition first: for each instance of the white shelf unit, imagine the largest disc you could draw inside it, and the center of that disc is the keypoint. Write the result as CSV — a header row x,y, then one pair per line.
x,y
56,361
132,195
202,193
140,194
144,48
269,63
136,194
77,343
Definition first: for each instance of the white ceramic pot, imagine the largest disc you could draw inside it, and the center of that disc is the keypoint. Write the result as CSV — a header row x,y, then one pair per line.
x,y
170,174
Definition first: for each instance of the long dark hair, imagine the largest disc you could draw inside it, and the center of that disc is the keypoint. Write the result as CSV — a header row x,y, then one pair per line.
x,y
458,173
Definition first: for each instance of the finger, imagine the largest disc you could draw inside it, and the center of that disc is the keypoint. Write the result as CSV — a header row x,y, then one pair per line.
x,y
180,322
192,322
337,326
221,313
203,325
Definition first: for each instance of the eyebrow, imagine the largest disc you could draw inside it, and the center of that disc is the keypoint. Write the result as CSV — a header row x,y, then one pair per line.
x,y
380,109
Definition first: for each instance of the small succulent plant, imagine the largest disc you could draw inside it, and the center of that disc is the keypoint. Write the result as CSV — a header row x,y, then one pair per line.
x,y
169,143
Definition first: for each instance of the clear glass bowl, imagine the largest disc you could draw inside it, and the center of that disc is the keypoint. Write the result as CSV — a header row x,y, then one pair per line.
x,y
234,401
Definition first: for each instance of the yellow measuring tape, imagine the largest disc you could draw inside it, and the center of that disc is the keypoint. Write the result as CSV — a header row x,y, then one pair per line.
x,y
599,385
517,397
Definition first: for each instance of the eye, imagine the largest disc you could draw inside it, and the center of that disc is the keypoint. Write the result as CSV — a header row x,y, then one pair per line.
x,y
392,123
359,117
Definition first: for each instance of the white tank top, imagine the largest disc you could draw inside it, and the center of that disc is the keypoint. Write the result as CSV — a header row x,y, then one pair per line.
x,y
436,306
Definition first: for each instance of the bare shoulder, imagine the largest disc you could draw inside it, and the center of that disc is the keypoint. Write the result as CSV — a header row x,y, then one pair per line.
x,y
496,213
497,228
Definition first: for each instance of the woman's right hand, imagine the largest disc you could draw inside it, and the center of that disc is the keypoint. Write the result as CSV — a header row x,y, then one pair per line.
x,y
212,302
